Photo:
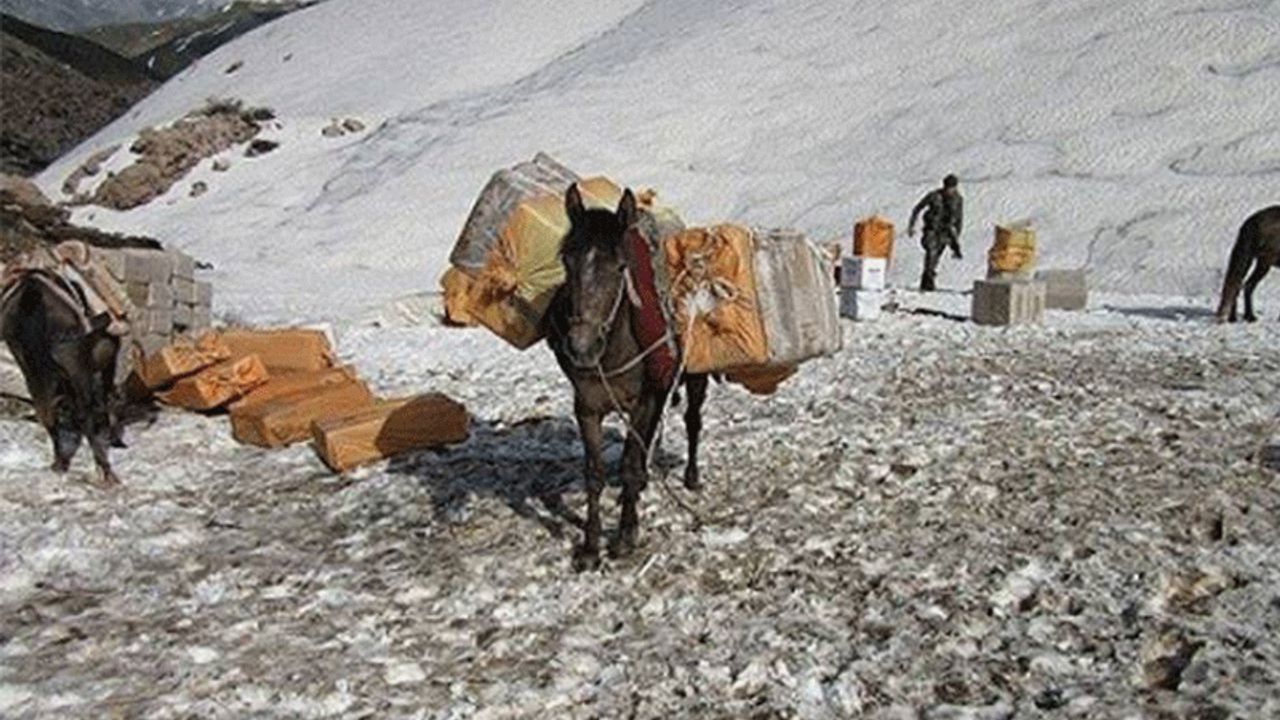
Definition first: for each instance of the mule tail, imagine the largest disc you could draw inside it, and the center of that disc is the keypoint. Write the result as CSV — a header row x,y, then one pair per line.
x,y
1242,253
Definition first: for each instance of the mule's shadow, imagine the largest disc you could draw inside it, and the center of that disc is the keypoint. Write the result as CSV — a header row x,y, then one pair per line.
x,y
1173,313
531,466
930,312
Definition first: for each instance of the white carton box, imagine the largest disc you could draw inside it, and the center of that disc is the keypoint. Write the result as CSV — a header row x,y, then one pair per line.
x,y
860,304
863,273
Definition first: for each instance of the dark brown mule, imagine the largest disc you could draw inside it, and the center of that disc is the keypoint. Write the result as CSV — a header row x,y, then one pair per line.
x,y
1258,244
69,363
591,327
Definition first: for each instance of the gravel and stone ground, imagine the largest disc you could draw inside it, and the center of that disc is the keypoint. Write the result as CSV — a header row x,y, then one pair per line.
x,y
1079,519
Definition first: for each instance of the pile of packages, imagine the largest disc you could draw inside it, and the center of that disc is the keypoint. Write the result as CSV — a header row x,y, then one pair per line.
x,y
863,275
283,386
746,303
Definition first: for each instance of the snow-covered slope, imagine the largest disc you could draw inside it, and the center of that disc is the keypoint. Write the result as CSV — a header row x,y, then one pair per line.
x,y
1134,138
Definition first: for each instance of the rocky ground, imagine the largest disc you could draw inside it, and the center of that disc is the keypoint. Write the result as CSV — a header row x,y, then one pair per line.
x,y
1075,520
50,106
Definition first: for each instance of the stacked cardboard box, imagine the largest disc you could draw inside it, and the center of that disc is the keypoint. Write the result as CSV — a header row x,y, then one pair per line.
x,y
862,287
220,367
863,276
282,386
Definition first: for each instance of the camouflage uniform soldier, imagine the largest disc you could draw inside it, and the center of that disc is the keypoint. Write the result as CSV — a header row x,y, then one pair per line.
x,y
943,215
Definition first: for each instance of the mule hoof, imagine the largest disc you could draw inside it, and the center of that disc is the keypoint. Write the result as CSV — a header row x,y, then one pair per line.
x,y
691,481
60,466
584,559
108,480
623,546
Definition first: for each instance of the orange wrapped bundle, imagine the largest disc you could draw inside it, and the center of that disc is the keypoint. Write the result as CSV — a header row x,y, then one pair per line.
x,y
1013,254
713,296
217,385
387,428
181,359
873,237
751,304
506,262
281,350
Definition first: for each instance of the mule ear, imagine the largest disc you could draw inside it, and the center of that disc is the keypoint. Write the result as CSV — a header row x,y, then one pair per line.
x,y
627,212
573,206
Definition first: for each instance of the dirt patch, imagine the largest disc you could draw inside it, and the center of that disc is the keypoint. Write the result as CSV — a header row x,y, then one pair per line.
x,y
50,107
25,226
167,154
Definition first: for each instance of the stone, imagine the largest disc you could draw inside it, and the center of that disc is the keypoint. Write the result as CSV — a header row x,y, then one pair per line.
x,y
1008,302
146,266
1064,289
150,295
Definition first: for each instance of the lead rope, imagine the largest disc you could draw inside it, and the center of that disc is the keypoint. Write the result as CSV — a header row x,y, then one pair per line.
x,y
651,446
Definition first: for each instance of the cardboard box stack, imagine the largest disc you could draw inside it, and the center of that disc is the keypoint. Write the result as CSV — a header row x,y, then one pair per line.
x,y
222,366
1010,295
863,277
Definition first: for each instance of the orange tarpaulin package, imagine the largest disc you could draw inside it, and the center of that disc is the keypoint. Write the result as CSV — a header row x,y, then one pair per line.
x,y
286,419
217,385
387,428
289,383
752,304
1013,253
281,350
873,237
181,359
506,262
713,297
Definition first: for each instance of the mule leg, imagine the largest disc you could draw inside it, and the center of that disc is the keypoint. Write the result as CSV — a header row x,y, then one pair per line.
x,y
587,556
1259,271
1230,290
66,440
114,405
99,439
697,386
635,469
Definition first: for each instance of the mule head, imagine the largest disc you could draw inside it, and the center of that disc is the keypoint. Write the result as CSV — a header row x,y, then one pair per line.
x,y
596,281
